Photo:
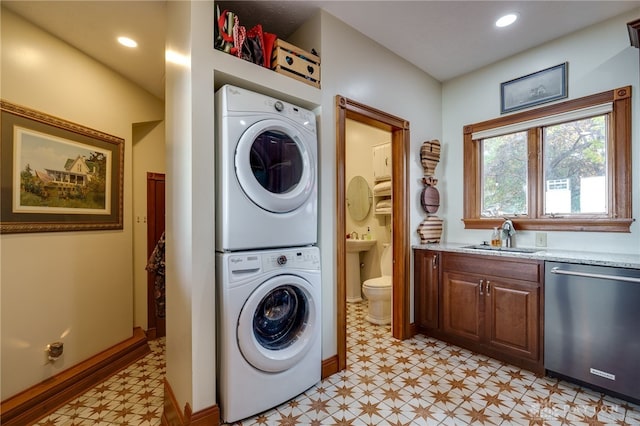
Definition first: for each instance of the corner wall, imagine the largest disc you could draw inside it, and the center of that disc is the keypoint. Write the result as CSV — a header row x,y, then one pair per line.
x,y
74,287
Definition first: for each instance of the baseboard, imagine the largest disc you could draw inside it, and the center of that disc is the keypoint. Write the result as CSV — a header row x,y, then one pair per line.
x,y
45,397
151,333
173,416
329,366
207,417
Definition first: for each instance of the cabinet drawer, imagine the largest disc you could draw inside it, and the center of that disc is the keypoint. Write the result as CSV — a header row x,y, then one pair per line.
x,y
497,266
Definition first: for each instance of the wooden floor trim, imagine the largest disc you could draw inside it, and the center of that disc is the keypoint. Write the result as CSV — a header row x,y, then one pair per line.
x,y
173,416
329,366
45,397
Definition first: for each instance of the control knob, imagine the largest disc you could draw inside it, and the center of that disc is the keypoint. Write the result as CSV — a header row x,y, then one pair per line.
x,y
282,259
279,106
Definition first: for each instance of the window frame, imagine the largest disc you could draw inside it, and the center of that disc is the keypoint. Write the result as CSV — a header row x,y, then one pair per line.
x,y
619,169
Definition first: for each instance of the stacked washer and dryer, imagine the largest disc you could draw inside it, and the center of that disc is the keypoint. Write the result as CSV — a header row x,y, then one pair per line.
x,y
267,262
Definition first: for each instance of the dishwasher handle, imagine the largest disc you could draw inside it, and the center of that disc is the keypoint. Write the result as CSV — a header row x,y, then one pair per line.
x,y
557,270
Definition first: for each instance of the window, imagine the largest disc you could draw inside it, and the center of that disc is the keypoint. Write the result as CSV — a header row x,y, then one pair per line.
x,y
561,167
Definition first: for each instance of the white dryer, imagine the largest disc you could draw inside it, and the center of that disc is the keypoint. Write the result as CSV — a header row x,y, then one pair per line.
x,y
266,174
268,340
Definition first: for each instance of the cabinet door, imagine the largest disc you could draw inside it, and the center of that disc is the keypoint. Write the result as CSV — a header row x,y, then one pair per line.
x,y
513,317
426,288
382,162
461,305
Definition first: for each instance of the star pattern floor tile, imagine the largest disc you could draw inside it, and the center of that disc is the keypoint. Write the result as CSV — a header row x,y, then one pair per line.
x,y
132,397
420,381
423,381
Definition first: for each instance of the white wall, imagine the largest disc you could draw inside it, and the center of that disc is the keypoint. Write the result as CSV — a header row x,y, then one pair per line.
x,y
356,67
190,279
600,58
74,287
148,156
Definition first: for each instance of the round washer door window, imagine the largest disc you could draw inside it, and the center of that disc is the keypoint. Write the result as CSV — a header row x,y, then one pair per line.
x,y
275,166
278,323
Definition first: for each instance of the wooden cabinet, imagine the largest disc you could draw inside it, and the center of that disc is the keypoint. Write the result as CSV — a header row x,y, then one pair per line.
x,y
426,273
489,304
461,306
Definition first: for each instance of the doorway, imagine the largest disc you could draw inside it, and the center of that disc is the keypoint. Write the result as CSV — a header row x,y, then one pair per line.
x,y
156,326
399,129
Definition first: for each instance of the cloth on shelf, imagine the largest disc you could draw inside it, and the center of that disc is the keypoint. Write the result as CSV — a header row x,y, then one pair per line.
x,y
239,36
384,186
384,206
156,265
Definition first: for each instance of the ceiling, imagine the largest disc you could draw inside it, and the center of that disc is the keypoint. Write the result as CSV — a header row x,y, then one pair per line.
x,y
446,39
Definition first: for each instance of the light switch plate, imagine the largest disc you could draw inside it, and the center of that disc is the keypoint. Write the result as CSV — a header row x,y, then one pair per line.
x,y
541,239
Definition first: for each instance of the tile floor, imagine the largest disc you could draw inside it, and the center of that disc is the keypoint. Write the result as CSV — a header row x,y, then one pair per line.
x,y
423,381
420,381
134,396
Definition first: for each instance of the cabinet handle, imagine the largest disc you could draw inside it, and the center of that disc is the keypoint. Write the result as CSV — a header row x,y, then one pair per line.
x,y
488,288
436,258
481,287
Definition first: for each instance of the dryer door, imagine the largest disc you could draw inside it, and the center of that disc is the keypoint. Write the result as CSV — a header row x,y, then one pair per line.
x,y
278,323
275,166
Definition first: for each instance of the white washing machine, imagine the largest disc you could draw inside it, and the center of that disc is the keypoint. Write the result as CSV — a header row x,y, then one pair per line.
x,y
266,172
269,331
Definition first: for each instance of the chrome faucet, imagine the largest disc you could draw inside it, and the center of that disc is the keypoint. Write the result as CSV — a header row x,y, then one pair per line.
x,y
508,231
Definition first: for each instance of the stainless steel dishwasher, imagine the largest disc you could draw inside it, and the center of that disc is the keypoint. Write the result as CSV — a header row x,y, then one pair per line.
x,y
592,317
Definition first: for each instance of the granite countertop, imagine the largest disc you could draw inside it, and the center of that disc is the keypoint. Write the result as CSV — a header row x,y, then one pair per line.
x,y
617,260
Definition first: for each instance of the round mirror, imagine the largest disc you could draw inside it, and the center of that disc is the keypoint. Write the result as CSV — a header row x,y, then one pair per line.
x,y
358,198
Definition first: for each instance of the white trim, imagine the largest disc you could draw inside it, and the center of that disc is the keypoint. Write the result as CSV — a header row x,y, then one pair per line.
x,y
544,121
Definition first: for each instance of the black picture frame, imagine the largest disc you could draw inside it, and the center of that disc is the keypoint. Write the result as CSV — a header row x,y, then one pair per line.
x,y
537,88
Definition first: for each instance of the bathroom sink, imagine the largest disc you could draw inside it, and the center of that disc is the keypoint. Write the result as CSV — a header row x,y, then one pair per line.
x,y
501,249
354,246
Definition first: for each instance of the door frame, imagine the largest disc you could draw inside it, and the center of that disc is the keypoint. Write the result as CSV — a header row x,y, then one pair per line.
x,y
400,143
156,327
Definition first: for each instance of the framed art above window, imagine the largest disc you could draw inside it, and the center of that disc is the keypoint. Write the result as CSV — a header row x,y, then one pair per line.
x,y
534,89
564,167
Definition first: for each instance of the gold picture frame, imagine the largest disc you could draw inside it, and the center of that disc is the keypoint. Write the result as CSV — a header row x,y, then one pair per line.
x,y
56,175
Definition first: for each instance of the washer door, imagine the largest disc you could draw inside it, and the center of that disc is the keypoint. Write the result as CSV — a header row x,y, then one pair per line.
x,y
274,166
278,324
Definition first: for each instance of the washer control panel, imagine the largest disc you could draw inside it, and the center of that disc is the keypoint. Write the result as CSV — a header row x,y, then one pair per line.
x,y
302,258
248,264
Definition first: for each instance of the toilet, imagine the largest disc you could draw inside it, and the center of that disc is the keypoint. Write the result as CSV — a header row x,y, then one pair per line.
x,y
378,290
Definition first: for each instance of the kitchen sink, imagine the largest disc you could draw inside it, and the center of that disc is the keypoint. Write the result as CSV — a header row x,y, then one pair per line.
x,y
502,249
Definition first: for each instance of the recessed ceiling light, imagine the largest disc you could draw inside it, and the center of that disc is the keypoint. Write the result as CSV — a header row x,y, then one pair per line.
x,y
126,41
506,20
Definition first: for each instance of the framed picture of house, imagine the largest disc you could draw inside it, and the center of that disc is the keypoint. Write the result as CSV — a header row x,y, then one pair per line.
x,y
56,175
534,89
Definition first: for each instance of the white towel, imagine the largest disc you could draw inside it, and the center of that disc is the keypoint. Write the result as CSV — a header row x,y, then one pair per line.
x,y
382,187
383,204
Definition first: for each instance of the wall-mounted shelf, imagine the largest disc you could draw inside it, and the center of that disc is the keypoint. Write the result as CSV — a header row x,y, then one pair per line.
x,y
229,69
382,197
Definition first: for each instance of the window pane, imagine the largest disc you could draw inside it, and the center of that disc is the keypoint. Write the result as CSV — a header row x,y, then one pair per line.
x,y
504,175
575,167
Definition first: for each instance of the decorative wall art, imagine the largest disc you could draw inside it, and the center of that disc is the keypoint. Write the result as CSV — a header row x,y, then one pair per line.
x,y
56,175
430,229
534,89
